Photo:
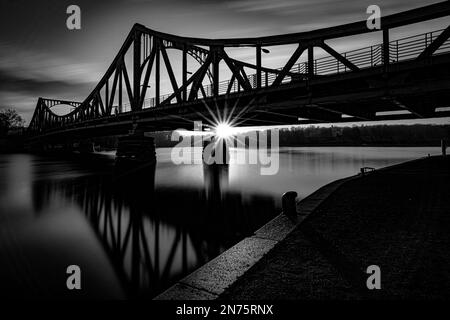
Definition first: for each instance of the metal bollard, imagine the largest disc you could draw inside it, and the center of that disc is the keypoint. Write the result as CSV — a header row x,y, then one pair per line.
x,y
288,203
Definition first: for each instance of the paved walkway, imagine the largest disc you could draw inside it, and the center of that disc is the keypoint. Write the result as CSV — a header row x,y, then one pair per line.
x,y
397,218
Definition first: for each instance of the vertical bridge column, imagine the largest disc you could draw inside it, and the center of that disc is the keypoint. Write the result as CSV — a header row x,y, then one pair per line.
x,y
184,71
386,55
310,61
215,69
157,70
137,71
258,66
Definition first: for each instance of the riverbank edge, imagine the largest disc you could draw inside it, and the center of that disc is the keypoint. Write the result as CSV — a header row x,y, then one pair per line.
x,y
212,279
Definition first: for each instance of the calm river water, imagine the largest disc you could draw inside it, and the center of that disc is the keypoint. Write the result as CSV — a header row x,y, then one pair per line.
x,y
136,237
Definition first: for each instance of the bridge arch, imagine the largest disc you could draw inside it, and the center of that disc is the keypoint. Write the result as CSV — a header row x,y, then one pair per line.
x,y
122,84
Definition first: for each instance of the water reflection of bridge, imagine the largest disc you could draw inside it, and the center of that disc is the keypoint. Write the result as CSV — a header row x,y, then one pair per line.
x,y
154,237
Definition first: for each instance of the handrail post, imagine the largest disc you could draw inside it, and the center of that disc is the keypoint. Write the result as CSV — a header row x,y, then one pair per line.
x,y
397,51
371,56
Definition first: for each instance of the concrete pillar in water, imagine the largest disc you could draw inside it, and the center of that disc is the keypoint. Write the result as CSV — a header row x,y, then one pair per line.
x,y
68,147
205,157
224,151
135,149
216,151
86,146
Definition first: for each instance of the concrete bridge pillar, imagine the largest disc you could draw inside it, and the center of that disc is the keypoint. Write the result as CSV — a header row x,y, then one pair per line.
x,y
86,146
35,147
135,150
216,151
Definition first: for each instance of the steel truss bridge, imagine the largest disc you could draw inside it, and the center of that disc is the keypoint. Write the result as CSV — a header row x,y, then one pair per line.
x,y
410,74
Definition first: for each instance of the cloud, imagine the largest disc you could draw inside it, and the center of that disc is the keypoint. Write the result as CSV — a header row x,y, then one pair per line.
x,y
278,6
22,93
312,10
39,87
37,65
26,75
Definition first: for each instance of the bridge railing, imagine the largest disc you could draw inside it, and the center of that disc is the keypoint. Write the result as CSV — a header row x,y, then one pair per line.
x,y
403,49
363,58
411,47
368,57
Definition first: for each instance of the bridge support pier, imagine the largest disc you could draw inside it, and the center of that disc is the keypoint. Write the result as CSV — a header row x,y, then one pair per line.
x,y
86,147
135,150
35,147
216,152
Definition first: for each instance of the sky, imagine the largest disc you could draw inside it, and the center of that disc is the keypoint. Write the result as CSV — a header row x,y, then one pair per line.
x,y
40,57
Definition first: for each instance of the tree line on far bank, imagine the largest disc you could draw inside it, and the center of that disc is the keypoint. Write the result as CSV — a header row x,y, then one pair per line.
x,y
388,135
9,120
375,135
416,134
383,134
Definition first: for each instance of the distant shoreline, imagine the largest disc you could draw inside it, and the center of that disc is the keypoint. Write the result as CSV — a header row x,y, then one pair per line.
x,y
361,145
8,148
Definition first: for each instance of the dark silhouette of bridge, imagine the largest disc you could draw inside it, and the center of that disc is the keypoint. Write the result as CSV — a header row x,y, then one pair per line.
x,y
410,74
